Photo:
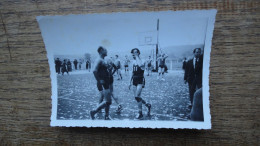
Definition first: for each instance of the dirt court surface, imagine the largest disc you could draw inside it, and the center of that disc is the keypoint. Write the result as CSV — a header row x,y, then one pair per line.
x,y
78,94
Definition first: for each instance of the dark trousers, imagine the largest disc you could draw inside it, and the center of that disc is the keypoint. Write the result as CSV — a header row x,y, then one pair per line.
x,y
191,91
57,69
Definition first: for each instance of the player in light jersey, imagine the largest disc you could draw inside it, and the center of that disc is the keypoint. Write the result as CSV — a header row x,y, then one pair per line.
x,y
161,59
149,66
118,66
126,64
138,82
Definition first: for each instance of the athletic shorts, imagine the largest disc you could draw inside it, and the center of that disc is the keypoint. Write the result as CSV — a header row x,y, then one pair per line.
x,y
126,65
161,66
138,80
106,84
149,65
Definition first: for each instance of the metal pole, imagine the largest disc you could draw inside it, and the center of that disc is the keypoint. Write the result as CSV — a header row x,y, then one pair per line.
x,y
157,45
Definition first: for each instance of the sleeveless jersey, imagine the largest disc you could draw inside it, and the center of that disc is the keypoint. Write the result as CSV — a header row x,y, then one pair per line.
x,y
149,62
126,62
162,61
137,71
103,71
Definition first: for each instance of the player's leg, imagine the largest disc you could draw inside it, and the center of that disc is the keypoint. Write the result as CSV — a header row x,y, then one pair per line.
x,y
139,100
163,69
119,70
159,72
127,70
147,71
138,94
150,70
112,93
119,107
62,71
107,97
101,104
101,97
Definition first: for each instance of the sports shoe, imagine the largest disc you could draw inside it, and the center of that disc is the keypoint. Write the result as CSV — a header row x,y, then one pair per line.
x,y
119,108
149,109
92,115
163,79
107,118
140,116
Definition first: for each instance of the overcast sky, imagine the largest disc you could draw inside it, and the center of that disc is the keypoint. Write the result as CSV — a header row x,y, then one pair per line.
x,y
120,32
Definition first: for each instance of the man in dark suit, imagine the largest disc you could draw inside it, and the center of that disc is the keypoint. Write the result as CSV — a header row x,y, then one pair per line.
x,y
184,66
57,65
75,64
193,72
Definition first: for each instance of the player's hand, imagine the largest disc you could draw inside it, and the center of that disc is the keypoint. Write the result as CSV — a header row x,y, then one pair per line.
x,y
102,82
129,87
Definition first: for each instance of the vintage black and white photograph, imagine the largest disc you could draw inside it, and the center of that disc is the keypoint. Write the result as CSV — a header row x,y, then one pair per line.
x,y
130,70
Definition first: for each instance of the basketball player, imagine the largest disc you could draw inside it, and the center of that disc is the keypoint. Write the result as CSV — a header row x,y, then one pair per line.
x,y
102,76
118,66
138,82
149,65
126,63
161,59
111,69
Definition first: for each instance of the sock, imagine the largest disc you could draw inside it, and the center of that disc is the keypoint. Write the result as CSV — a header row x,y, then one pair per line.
x,y
140,107
107,110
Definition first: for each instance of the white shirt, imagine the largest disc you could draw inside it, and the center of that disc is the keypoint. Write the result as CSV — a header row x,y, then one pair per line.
x,y
194,62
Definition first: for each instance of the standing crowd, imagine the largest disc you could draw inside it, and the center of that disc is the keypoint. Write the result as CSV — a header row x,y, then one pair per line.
x,y
66,65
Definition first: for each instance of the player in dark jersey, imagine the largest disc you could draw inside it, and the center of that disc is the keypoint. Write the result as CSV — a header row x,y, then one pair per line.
x,y
161,59
88,65
102,76
126,64
138,82
111,69
149,66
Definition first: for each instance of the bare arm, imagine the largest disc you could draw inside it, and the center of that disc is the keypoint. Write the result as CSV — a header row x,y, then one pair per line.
x,y
96,67
114,69
131,79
